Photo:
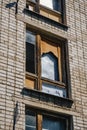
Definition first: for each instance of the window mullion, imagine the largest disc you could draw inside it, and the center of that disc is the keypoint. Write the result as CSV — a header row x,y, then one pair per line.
x,y
39,122
59,64
37,6
67,124
38,61
63,13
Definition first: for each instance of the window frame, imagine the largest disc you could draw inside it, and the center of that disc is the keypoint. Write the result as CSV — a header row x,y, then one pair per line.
x,y
37,77
39,114
37,7
56,83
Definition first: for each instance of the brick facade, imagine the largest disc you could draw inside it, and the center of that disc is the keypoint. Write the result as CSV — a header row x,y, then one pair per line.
x,y
12,62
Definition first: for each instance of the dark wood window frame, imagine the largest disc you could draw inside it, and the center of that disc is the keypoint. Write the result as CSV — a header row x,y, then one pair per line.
x,y
36,78
58,16
40,114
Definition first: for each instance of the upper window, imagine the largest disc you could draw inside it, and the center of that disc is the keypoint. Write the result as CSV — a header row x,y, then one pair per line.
x,y
53,9
45,65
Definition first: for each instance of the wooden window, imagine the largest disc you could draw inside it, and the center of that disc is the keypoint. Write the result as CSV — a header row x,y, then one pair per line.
x,y
34,119
45,65
53,9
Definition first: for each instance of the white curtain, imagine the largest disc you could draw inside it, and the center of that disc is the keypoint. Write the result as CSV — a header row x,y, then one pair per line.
x,y
52,4
47,3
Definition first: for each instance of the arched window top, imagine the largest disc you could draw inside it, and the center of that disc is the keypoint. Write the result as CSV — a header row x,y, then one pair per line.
x,y
50,55
49,66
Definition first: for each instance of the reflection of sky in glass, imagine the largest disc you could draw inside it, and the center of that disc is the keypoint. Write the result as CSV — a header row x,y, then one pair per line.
x,y
53,124
33,0
30,128
30,122
30,38
49,67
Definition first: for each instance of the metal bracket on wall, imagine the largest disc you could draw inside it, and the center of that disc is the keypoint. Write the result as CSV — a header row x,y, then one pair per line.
x,y
13,4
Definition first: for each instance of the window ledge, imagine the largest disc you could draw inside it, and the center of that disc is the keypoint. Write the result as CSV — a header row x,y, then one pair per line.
x,y
41,96
37,15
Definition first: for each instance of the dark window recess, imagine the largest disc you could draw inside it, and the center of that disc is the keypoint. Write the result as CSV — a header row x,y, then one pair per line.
x,y
30,58
30,52
50,123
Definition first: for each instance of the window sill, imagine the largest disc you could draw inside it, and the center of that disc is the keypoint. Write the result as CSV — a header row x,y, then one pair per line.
x,y
37,15
41,96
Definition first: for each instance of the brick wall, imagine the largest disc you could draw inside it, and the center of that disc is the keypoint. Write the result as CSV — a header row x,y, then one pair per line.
x,y
12,62
77,20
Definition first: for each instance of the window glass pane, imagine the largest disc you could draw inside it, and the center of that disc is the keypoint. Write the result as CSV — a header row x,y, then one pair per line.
x,y
29,128
50,123
47,3
30,52
57,5
30,120
30,58
30,37
49,65
54,90
52,4
33,0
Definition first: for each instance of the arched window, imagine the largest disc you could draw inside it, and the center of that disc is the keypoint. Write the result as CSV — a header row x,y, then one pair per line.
x,y
49,66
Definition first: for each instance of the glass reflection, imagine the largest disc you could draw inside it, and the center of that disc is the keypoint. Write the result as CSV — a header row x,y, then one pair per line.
x,y
49,66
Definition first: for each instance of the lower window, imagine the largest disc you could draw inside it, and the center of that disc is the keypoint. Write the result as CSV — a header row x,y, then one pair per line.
x,y
36,120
